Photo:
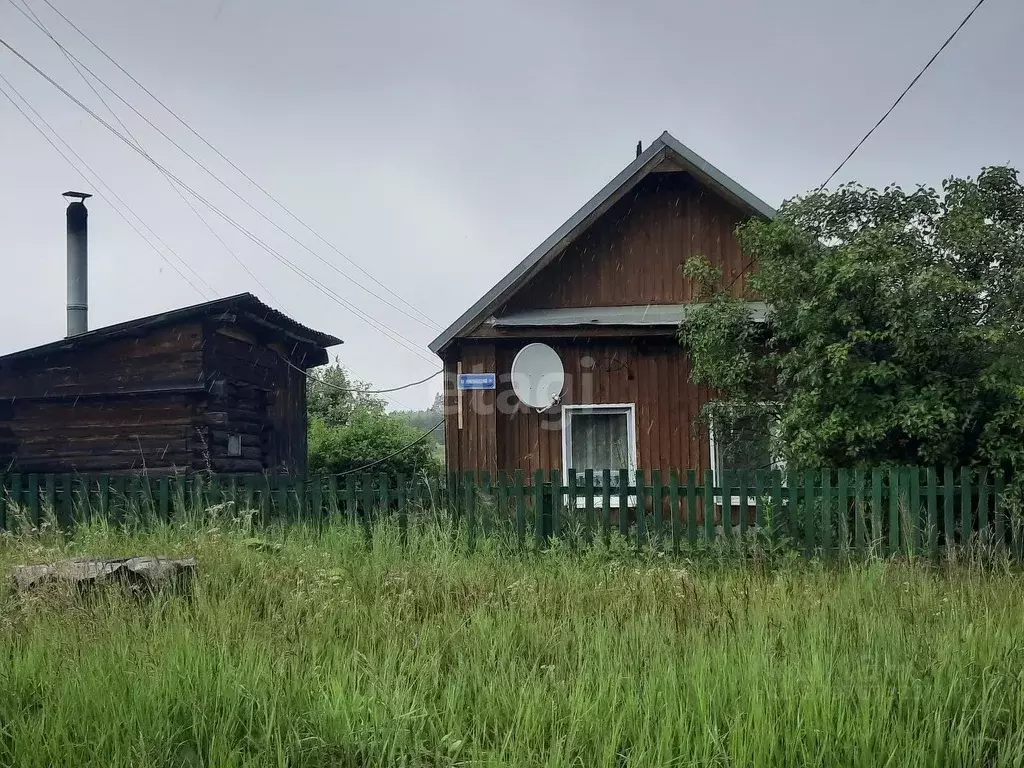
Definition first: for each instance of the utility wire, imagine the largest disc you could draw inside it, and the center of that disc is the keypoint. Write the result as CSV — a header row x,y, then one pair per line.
x,y
395,336
246,176
73,61
905,92
246,202
359,390
881,120
100,183
392,455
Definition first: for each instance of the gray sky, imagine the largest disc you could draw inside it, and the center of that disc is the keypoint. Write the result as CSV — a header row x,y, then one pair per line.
x,y
437,143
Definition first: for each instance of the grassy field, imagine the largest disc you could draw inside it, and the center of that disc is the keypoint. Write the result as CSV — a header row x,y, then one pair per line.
x,y
322,653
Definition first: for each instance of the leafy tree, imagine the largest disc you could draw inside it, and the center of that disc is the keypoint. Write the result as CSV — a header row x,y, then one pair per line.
x,y
369,436
894,330
332,395
350,428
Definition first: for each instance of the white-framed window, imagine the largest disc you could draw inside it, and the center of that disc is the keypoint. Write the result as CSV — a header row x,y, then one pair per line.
x,y
234,445
747,446
599,437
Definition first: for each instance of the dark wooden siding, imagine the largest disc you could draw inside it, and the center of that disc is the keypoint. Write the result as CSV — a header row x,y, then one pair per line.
x,y
474,446
634,254
170,357
152,434
257,395
651,374
121,405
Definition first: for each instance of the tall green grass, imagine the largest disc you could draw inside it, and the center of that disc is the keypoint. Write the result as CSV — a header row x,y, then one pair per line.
x,y
310,649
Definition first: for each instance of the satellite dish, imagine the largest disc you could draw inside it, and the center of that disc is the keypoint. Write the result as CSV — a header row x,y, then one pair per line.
x,y
538,377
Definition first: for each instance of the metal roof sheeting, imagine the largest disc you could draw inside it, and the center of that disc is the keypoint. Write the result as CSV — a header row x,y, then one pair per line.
x,y
649,315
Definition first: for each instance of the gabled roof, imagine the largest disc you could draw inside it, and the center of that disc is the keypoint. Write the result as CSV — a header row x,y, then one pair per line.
x,y
666,147
242,304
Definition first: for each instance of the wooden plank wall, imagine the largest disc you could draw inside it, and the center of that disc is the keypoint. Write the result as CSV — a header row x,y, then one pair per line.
x,y
634,254
474,446
653,375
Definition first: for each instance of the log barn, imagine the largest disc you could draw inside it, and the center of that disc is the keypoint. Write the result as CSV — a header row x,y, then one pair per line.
x,y
607,293
218,386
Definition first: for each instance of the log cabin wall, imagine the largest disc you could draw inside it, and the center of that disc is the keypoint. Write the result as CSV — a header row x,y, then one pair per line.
x,y
256,395
121,405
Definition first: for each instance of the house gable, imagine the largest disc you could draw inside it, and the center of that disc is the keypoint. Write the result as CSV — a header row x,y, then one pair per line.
x,y
626,245
634,254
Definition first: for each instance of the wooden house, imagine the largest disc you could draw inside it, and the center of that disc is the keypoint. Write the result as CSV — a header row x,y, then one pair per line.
x,y
607,292
219,386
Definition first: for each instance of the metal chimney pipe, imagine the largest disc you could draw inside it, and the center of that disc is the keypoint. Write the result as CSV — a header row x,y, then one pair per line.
x,y
78,263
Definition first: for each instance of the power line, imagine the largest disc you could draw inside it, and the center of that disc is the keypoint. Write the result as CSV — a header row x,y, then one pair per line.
x,y
246,202
76,66
100,183
905,92
395,336
359,390
881,120
392,455
246,176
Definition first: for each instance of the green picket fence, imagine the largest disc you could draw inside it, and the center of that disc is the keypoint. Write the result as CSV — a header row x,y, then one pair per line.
x,y
888,511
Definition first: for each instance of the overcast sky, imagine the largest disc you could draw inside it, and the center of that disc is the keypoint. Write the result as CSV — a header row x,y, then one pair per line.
x,y
436,144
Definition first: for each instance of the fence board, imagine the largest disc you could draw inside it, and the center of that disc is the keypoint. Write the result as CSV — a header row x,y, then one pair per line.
x,y
860,532
606,504
932,528
842,506
983,517
624,502
538,506
913,483
708,505
657,500
725,499
556,503
966,524
760,490
674,510
691,506
743,492
894,510
588,501
777,520
809,532
520,498
34,515
641,509
826,497
998,511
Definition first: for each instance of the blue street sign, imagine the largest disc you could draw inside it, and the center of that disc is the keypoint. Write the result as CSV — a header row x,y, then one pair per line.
x,y
476,381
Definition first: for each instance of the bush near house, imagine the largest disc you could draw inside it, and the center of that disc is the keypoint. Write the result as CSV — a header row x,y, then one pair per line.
x,y
350,428
895,332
